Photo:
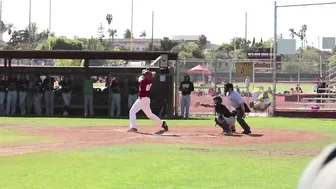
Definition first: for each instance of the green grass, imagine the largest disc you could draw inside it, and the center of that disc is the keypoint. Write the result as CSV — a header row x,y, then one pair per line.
x,y
156,167
10,137
149,166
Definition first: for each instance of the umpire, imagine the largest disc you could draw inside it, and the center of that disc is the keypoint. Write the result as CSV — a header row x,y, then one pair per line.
x,y
237,102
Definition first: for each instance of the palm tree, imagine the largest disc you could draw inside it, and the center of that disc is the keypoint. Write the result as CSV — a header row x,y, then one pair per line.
x,y
128,34
109,19
303,32
292,33
302,35
112,33
143,34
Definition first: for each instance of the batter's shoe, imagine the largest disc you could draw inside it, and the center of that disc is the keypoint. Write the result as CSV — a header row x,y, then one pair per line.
x,y
164,126
228,133
132,130
246,132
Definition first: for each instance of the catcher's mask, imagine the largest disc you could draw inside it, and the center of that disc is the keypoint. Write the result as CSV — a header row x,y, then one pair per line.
x,y
217,100
186,77
227,86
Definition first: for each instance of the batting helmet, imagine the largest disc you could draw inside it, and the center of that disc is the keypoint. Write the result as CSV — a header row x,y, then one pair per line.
x,y
145,71
217,100
186,77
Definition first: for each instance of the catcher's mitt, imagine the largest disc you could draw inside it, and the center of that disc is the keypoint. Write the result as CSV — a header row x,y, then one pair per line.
x,y
197,104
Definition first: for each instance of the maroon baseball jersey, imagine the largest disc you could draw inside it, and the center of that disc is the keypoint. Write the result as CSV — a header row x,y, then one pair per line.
x,y
144,87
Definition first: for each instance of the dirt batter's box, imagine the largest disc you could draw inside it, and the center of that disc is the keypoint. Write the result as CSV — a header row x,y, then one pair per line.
x,y
161,92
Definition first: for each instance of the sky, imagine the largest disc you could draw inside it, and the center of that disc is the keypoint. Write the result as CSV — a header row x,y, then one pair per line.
x,y
219,20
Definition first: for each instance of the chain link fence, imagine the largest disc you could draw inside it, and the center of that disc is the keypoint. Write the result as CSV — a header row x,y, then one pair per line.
x,y
210,81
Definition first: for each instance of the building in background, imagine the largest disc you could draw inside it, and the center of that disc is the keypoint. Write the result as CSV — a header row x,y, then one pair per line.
x,y
194,38
139,44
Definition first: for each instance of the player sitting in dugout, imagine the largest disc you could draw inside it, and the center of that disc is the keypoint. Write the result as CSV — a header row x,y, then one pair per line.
x,y
261,104
224,118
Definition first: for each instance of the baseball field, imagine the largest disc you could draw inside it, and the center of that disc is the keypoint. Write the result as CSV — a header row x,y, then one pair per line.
x,y
54,153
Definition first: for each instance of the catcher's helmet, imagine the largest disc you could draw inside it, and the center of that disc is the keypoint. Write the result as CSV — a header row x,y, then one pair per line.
x,y
217,100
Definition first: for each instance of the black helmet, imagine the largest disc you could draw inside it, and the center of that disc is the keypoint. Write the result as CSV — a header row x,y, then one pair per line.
x,y
186,76
227,86
217,100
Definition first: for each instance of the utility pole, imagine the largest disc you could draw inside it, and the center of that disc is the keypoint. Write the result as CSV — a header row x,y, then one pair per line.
x,y
152,42
131,40
29,26
49,17
1,34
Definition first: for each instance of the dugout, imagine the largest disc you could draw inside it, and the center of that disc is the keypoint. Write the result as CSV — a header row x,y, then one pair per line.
x,y
162,101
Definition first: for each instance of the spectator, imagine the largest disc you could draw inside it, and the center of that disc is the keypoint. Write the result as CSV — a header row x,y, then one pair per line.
x,y
12,95
66,85
261,104
48,87
237,89
23,89
298,89
88,96
3,88
186,87
269,90
116,86
133,89
315,87
247,84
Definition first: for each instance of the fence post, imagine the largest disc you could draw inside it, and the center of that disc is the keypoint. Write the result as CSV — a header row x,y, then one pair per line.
x,y
176,86
231,63
215,79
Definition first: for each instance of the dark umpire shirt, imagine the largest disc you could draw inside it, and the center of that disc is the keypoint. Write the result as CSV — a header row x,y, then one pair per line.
x,y
222,109
23,85
116,87
186,87
13,84
66,86
48,83
133,87
3,85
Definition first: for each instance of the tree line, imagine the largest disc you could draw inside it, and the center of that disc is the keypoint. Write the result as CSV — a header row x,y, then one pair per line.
x,y
31,38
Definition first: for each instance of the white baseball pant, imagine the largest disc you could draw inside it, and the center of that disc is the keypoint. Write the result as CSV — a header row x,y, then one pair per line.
x,y
142,103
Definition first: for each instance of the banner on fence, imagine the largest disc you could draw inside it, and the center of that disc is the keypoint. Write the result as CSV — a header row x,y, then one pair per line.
x,y
244,69
263,58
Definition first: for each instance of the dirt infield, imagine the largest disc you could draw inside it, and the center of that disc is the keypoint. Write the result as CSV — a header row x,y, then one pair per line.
x,y
83,137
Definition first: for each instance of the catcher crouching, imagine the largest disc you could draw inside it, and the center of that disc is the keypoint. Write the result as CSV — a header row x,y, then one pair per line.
x,y
224,118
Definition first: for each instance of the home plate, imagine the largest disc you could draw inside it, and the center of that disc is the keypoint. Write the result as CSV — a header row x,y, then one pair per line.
x,y
166,134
